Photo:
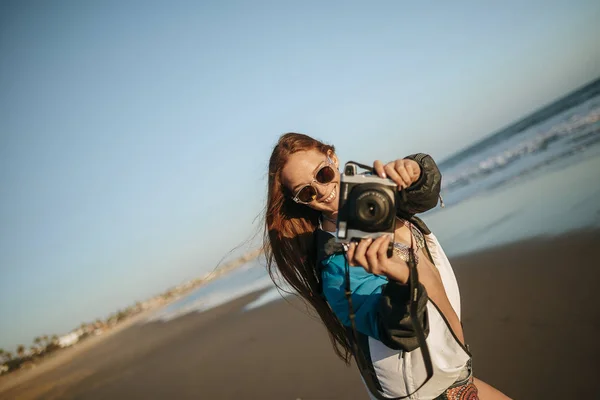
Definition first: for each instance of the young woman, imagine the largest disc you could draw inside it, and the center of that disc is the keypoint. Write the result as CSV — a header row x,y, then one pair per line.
x,y
300,218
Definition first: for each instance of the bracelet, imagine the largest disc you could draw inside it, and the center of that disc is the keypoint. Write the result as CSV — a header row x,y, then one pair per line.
x,y
402,251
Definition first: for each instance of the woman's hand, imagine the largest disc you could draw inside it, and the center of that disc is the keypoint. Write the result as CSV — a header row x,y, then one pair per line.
x,y
403,172
372,256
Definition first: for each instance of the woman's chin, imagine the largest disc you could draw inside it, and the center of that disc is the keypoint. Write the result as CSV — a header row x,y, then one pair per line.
x,y
330,209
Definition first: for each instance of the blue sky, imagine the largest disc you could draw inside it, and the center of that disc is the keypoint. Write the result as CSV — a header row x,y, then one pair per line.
x,y
134,135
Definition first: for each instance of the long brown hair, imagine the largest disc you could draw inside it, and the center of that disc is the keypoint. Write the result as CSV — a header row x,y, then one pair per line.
x,y
289,239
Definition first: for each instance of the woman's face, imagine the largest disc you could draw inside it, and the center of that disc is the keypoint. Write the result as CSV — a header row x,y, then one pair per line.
x,y
302,169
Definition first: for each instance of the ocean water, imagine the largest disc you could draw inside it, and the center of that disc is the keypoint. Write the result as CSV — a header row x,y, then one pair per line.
x,y
539,176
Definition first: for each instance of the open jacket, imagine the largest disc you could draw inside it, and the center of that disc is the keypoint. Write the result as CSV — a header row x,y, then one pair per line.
x,y
386,338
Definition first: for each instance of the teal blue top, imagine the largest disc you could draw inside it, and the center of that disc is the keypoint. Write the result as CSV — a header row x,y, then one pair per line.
x,y
366,291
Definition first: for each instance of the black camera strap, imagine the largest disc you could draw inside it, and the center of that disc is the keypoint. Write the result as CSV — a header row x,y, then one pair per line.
x,y
359,356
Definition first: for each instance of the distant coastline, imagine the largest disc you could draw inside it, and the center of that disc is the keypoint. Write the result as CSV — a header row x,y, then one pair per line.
x,y
47,348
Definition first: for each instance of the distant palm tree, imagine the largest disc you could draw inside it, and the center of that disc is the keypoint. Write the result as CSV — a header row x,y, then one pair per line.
x,y
37,341
8,356
21,350
54,338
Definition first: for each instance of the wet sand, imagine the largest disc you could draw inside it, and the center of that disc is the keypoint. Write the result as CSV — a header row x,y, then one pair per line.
x,y
529,313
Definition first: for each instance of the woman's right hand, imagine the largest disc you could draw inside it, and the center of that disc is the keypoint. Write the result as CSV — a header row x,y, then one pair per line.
x,y
372,256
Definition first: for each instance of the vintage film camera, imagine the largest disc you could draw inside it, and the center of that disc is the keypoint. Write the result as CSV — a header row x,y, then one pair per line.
x,y
367,206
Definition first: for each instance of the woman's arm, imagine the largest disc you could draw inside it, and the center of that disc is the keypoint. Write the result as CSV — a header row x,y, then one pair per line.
x,y
488,392
423,194
393,314
380,305
419,176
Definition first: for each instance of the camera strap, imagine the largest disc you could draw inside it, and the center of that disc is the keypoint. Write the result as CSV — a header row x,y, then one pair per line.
x,y
413,281
370,169
363,166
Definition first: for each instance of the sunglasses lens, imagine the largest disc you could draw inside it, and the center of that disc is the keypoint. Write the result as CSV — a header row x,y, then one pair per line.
x,y
325,174
307,194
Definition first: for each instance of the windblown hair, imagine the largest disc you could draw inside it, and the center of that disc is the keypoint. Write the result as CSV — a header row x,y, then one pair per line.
x,y
289,239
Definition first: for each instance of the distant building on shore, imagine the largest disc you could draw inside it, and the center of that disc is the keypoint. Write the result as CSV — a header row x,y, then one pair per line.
x,y
68,340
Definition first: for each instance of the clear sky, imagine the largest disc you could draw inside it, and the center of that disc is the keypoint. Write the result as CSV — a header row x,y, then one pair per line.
x,y
134,135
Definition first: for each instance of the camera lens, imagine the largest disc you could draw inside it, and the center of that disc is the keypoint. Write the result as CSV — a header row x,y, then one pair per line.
x,y
372,209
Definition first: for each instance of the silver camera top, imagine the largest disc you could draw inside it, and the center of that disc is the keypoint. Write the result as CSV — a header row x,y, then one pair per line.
x,y
350,175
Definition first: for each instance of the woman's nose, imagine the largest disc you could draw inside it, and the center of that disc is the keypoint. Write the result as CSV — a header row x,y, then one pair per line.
x,y
322,190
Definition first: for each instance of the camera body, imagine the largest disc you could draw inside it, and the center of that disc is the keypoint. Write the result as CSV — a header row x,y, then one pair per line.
x,y
367,206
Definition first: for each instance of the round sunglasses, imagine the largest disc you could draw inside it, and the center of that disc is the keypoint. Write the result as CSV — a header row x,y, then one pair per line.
x,y
308,193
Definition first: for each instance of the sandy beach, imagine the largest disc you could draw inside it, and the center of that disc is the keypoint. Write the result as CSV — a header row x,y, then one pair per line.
x,y
529,314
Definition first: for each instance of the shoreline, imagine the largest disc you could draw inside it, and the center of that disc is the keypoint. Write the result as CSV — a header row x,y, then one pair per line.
x,y
64,355
528,311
